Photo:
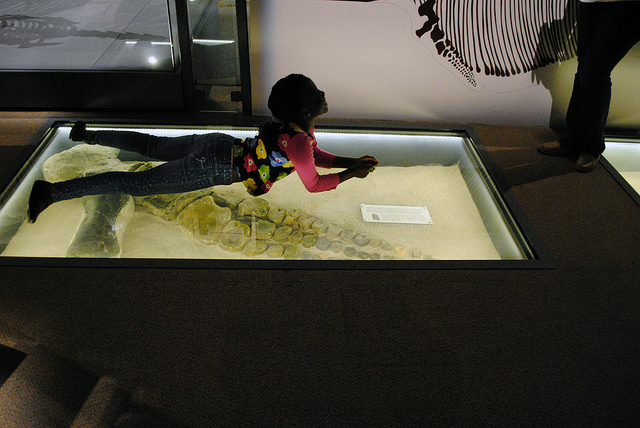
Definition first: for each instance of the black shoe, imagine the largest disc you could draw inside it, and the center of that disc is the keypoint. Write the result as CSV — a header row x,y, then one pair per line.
x,y
39,199
586,162
553,148
78,132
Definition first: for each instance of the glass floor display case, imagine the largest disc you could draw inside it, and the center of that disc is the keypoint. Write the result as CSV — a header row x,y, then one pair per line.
x,y
433,202
622,160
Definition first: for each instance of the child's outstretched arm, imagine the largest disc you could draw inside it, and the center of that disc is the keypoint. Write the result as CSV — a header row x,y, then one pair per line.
x,y
345,162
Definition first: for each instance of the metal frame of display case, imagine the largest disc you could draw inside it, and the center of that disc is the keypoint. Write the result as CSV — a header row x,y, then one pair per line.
x,y
517,219
124,90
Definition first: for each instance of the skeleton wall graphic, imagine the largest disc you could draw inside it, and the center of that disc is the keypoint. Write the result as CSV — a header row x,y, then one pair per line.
x,y
498,38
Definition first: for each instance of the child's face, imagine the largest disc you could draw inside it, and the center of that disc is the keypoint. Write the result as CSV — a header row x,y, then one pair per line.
x,y
315,102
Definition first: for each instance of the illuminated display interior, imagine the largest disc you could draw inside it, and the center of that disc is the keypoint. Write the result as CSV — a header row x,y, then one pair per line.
x,y
623,155
431,198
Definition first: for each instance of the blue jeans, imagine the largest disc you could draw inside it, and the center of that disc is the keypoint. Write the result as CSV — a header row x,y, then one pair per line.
x,y
192,162
606,32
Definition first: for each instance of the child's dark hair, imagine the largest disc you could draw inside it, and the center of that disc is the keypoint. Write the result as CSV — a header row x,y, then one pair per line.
x,y
286,102
287,98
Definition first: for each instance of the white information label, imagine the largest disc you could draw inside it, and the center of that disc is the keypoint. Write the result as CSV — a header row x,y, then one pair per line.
x,y
395,214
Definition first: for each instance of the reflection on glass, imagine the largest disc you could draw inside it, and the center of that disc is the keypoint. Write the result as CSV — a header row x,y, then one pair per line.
x,y
216,69
85,35
436,177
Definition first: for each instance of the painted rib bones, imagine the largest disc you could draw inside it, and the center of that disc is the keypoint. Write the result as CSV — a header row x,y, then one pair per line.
x,y
496,38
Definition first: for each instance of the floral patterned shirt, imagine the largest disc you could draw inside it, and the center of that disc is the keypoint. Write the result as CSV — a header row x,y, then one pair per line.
x,y
260,164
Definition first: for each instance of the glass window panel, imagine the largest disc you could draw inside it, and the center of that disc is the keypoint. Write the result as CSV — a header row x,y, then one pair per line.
x,y
86,35
216,68
470,219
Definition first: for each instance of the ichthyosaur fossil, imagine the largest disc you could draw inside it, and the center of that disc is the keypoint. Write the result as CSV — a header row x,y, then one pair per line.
x,y
235,222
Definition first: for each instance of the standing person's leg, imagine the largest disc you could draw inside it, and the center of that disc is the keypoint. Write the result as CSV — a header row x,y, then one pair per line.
x,y
588,16
606,32
613,34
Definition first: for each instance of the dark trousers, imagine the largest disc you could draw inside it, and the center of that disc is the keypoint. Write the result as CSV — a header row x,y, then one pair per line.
x,y
192,162
606,32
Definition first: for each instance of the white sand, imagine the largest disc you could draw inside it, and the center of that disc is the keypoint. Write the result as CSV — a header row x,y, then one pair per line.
x,y
457,232
633,178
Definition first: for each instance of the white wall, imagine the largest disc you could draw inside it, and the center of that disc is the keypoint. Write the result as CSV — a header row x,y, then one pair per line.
x,y
371,64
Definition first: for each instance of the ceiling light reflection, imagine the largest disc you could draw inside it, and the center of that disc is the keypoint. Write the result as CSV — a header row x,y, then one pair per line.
x,y
212,42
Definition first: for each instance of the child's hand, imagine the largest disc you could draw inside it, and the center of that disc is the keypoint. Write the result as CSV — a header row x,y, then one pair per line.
x,y
364,168
368,158
368,162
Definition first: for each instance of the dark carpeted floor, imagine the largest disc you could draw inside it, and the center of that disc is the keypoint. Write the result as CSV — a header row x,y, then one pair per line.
x,y
537,347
